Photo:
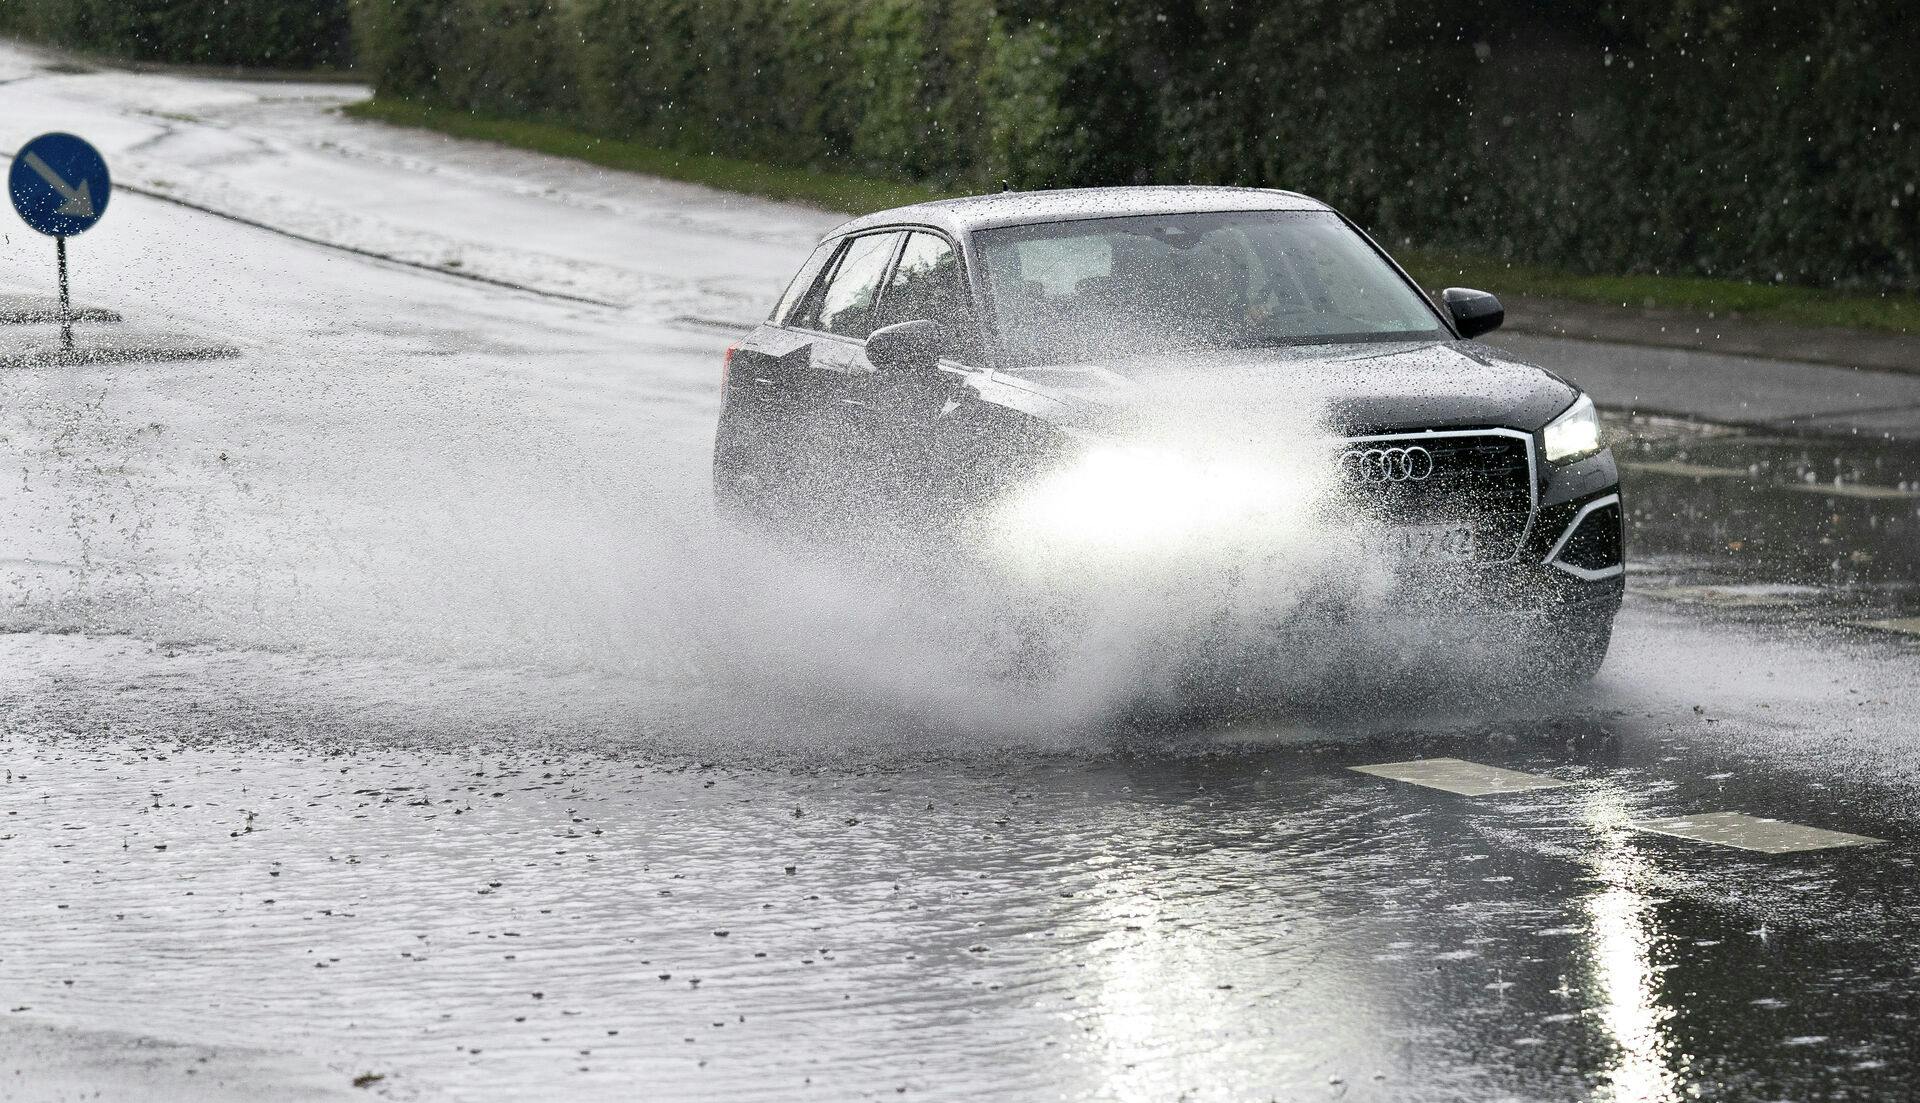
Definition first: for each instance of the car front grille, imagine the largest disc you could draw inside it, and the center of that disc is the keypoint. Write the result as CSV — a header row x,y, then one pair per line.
x,y
1484,478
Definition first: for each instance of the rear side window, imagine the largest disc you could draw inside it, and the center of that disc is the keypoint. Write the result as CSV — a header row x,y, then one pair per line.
x,y
845,307
802,281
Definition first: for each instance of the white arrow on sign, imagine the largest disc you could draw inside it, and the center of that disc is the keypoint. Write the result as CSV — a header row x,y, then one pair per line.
x,y
76,201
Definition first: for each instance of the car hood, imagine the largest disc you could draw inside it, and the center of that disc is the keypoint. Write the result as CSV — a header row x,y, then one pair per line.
x,y
1355,388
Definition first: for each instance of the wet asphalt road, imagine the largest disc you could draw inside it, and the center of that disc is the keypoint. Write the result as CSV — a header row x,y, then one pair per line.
x,y
380,703
1216,915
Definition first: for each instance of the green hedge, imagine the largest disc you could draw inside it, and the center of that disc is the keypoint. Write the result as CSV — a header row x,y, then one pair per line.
x,y
896,88
1772,140
278,34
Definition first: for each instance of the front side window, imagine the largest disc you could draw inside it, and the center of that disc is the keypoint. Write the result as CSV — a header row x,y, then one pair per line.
x,y
846,307
927,286
1116,287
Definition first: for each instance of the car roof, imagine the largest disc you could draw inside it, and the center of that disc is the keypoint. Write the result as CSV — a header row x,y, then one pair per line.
x,y
1019,208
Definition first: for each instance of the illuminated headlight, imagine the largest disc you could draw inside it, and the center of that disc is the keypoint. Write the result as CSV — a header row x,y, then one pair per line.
x,y
1133,498
1575,433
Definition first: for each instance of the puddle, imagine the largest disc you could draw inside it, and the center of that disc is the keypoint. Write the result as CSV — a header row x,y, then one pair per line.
x,y
512,922
1737,520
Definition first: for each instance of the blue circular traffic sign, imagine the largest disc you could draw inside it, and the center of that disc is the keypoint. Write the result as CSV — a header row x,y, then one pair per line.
x,y
59,185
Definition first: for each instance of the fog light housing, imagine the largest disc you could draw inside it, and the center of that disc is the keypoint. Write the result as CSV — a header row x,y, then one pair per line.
x,y
1591,547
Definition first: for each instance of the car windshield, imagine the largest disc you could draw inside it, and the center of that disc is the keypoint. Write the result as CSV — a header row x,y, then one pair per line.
x,y
1113,287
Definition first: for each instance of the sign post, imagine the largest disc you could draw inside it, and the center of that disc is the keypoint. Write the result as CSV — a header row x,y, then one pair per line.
x,y
60,186
66,304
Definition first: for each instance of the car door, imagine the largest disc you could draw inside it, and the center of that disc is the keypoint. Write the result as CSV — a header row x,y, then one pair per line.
x,y
896,413
770,385
827,433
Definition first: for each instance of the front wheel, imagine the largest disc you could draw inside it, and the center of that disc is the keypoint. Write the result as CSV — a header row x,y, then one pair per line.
x,y
1577,644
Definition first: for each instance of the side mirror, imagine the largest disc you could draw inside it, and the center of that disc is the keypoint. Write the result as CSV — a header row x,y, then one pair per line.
x,y
906,347
1473,312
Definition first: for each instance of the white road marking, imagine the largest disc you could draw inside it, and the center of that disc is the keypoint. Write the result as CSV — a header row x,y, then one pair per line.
x,y
1832,490
1746,832
1687,470
1457,775
1865,491
1735,597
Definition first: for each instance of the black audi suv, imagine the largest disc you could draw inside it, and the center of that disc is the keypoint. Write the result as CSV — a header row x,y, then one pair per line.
x,y
931,365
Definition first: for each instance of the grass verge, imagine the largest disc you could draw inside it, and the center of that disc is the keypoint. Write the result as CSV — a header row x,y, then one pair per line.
x,y
1790,305
828,190
1781,303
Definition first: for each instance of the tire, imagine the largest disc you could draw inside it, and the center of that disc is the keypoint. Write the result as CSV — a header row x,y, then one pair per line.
x,y
729,504
1577,645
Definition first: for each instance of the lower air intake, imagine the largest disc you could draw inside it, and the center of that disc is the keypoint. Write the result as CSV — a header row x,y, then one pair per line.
x,y
1593,548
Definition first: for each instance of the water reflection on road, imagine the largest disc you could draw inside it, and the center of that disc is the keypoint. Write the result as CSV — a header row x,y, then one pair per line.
x,y
1622,933
1220,917
1783,521
485,882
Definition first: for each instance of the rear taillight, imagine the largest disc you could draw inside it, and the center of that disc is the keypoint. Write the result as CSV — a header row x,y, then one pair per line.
x,y
726,368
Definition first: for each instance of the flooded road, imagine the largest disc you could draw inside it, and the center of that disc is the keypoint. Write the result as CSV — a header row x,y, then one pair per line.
x,y
200,850
383,713
1777,521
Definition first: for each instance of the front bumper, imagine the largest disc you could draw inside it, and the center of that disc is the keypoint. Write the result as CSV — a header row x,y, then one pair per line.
x,y
1572,558
1580,533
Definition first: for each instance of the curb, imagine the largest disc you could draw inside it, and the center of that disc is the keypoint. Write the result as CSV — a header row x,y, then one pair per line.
x,y
1728,336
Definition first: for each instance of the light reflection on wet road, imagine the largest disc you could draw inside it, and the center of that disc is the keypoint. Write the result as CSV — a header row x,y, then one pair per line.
x,y
1225,915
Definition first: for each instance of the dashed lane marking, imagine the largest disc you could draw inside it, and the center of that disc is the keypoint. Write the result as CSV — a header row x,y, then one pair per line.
x,y
1735,597
1457,775
1746,832
723,326
1686,470
1866,491
1677,469
1906,626
1735,829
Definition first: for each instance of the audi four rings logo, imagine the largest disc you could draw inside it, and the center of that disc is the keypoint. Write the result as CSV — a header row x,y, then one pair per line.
x,y
1388,465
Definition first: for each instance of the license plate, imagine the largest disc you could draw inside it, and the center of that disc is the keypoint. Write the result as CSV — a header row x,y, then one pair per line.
x,y
1431,543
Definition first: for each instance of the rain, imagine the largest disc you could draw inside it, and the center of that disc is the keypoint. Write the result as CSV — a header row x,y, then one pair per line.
x,y
958,550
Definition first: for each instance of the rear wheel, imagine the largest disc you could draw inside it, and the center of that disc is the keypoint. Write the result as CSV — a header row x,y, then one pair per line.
x,y
730,500
743,496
